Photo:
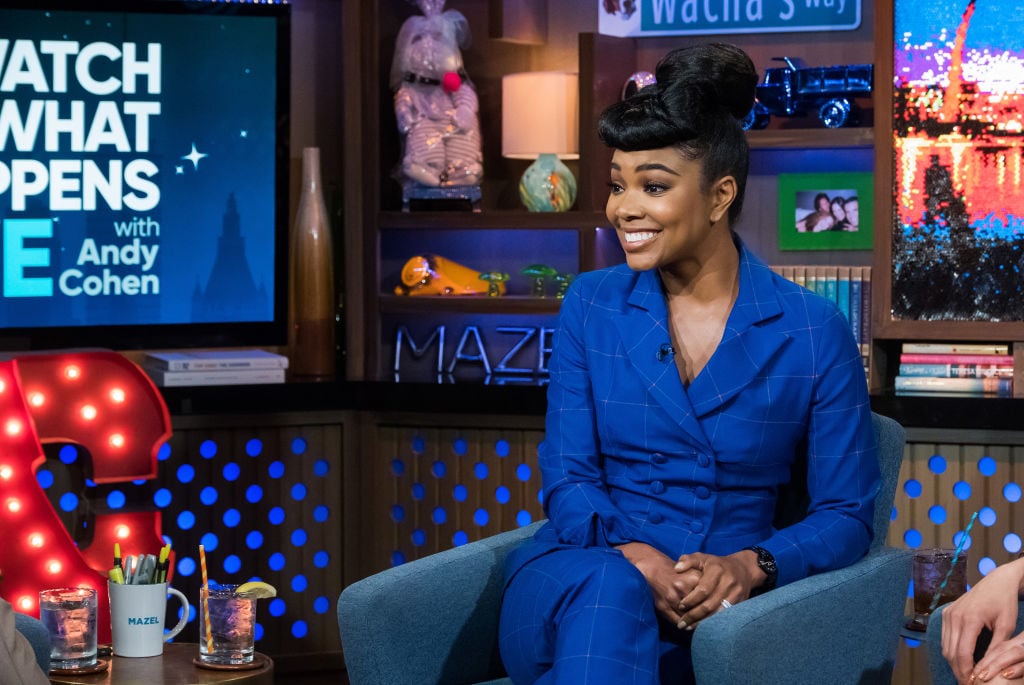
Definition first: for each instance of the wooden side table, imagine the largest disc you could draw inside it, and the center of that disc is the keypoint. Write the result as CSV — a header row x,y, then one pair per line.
x,y
174,667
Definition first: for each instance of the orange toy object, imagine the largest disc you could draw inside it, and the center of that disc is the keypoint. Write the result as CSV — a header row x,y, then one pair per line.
x,y
434,275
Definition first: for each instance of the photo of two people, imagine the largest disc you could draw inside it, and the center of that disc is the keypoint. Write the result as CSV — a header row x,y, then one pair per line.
x,y
827,210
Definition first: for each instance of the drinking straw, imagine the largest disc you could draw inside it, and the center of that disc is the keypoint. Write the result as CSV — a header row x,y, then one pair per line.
x,y
952,564
206,600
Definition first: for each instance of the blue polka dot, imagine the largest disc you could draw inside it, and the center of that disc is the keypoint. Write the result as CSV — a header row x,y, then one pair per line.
x,y
523,472
397,558
69,501
276,469
958,536
1011,492
208,495
439,515
501,448
299,446
276,516
397,467
44,477
115,499
480,470
893,513
986,565
139,481
299,537
986,516
418,491
276,561
438,468
459,446
321,605
231,471
186,473
937,464
912,488
321,559
397,513
68,454
209,541
502,494
987,466
231,518
419,445
321,468
277,607
321,513
257,632
253,447
298,492
186,520
937,514
254,540
208,449
460,538
299,583
912,538
962,490
911,643
1012,543
232,563
419,538
254,493
162,497
299,629
186,566
481,517
164,453
460,493
523,518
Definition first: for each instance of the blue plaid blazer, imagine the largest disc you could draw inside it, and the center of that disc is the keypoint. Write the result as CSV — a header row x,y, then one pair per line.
x,y
631,454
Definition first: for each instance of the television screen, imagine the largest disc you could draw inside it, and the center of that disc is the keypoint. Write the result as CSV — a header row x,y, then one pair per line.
x,y
143,173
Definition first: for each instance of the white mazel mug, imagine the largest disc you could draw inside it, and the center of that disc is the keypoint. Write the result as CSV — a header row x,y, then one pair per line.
x,y
137,618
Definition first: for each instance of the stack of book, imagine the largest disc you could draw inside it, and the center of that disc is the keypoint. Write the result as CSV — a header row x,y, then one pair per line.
x,y
849,287
215,367
977,369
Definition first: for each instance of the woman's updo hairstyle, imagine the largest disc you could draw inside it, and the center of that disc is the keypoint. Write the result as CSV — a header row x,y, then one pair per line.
x,y
701,96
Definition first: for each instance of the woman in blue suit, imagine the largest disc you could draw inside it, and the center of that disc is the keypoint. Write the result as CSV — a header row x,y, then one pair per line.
x,y
685,384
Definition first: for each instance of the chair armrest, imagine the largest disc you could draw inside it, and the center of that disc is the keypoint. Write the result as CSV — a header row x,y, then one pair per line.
x,y
431,620
841,626
38,637
939,668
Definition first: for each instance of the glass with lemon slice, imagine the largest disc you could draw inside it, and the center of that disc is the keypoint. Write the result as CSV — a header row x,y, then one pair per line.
x,y
232,622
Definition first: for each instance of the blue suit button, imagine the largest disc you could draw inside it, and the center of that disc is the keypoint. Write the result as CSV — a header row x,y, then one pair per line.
x,y
703,492
656,518
657,487
703,461
659,458
696,526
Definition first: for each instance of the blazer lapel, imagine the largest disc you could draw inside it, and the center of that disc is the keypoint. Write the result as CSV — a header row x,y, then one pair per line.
x,y
746,347
644,335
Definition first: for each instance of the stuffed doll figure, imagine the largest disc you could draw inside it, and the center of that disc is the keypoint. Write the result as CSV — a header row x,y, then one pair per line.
x,y
435,102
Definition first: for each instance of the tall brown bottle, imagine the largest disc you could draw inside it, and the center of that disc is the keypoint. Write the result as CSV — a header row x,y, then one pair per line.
x,y
311,280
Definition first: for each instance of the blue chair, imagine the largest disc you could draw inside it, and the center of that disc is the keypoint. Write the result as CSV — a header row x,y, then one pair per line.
x,y
938,667
435,620
36,634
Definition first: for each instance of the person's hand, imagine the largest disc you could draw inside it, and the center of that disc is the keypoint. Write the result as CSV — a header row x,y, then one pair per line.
x,y
667,585
1004,660
992,604
730,578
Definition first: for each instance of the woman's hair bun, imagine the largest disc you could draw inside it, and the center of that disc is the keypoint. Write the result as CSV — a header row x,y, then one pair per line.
x,y
707,80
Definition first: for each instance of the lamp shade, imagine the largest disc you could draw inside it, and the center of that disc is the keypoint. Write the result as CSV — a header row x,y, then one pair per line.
x,y
540,115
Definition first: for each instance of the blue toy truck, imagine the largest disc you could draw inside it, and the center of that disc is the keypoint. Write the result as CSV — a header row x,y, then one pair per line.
x,y
797,90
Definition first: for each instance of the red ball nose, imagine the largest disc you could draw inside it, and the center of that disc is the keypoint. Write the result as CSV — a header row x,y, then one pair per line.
x,y
451,82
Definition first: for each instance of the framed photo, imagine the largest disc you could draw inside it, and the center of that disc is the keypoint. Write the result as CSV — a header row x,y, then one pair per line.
x,y
826,211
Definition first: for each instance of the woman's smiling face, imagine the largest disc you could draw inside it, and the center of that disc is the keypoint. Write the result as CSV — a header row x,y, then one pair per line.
x,y
659,211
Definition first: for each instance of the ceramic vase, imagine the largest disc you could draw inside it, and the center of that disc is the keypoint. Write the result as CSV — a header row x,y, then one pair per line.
x,y
311,280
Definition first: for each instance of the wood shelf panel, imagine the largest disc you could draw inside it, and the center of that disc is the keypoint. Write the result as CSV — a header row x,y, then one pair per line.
x,y
470,304
800,138
493,220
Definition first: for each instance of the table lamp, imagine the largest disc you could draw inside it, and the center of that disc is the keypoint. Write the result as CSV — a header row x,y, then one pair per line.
x,y
540,121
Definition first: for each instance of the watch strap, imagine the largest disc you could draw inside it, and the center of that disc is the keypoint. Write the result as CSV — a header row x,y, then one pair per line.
x,y
766,562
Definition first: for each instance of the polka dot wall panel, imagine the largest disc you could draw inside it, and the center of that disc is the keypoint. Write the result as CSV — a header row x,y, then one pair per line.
x,y
263,500
444,487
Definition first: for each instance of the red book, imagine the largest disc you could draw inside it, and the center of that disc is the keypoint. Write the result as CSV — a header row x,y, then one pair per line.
x,y
986,359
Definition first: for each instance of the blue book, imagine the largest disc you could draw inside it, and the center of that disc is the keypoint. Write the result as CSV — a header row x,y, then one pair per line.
x,y
843,291
855,301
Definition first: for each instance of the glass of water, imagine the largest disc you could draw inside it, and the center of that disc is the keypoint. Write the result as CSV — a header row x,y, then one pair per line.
x,y
69,615
232,625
